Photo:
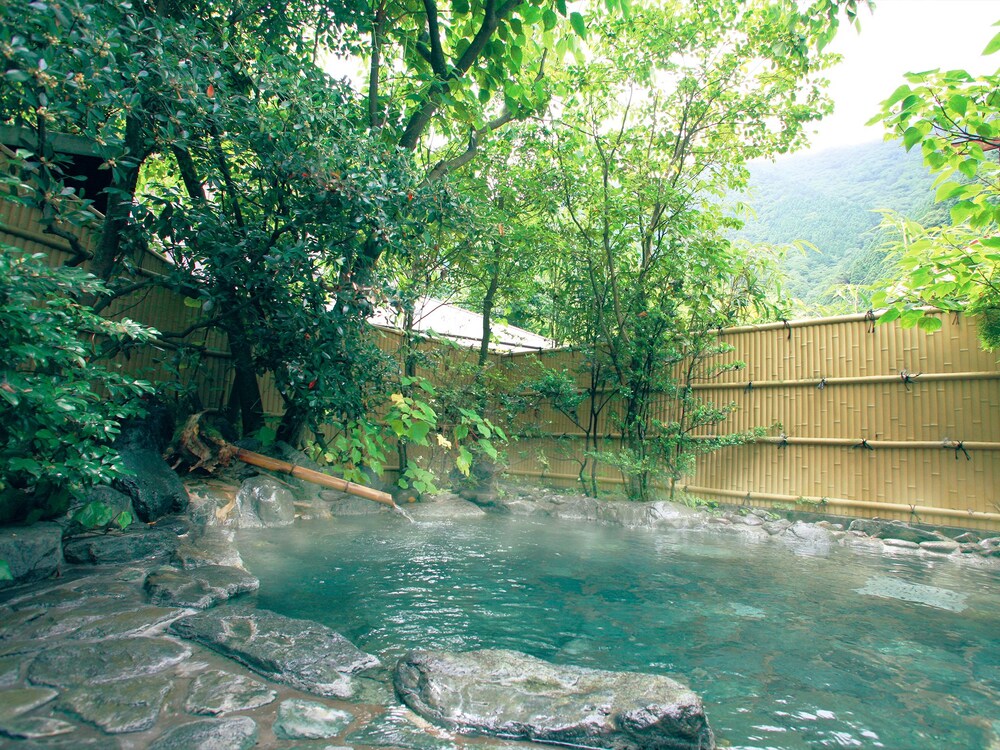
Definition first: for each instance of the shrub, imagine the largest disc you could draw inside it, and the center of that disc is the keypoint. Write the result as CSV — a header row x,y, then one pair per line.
x,y
60,411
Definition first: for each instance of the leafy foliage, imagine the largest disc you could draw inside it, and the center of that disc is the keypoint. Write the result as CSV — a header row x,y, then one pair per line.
x,y
61,410
652,133
951,116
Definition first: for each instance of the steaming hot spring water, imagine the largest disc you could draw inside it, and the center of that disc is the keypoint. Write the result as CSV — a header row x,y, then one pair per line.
x,y
789,648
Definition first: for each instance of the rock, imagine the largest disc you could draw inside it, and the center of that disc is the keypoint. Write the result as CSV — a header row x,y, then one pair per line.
x,y
673,514
76,664
777,527
308,720
213,547
153,486
753,520
137,543
117,707
151,432
942,547
264,501
199,588
300,653
515,696
400,728
238,733
625,514
127,623
811,533
340,504
35,727
21,700
443,507
900,543
969,537
33,553
880,529
216,692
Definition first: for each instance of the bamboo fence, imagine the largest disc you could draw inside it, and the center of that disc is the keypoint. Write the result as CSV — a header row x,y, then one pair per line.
x,y
863,420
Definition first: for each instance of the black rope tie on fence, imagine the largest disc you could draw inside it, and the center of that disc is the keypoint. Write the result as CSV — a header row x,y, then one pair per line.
x,y
749,387
822,384
870,321
782,441
788,327
863,444
908,377
957,445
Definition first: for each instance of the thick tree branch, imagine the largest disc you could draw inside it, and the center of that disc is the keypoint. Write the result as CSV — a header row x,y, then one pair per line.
x,y
421,118
437,61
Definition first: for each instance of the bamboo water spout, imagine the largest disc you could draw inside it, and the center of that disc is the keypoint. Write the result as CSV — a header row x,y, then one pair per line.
x,y
212,450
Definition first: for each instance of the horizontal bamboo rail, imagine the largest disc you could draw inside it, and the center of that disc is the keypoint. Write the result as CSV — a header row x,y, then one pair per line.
x,y
844,502
909,379
951,445
784,325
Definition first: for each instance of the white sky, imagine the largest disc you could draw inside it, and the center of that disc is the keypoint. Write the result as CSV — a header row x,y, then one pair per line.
x,y
901,36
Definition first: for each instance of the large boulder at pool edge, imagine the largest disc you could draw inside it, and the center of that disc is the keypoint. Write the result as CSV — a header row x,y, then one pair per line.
x,y
516,696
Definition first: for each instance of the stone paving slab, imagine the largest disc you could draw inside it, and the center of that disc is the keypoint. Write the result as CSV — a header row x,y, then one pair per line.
x,y
198,588
300,653
77,664
218,692
239,733
131,705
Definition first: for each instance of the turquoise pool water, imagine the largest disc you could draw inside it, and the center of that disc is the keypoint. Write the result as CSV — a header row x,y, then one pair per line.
x,y
789,648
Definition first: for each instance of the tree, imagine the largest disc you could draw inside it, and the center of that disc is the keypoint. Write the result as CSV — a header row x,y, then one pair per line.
x,y
257,179
651,134
951,116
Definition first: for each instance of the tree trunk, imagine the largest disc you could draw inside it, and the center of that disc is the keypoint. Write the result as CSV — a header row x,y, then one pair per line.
x,y
120,196
246,391
487,310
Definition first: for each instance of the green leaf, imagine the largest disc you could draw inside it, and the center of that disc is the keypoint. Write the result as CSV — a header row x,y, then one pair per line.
x,y
578,24
5,574
94,515
929,324
912,137
488,448
889,315
993,46
898,94
464,461
962,211
959,103
418,432
549,19
460,6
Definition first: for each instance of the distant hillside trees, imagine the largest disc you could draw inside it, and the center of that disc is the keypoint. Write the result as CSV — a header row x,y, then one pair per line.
x,y
831,200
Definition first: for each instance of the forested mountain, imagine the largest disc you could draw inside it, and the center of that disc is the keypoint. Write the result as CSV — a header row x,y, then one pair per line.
x,y
831,200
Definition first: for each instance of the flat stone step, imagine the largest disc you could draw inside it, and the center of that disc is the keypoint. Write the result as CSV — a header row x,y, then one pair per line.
x,y
301,653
